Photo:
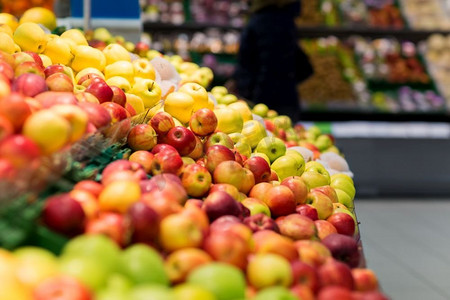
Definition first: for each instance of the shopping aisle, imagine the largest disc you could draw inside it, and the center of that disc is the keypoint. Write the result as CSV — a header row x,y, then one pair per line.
x,y
407,244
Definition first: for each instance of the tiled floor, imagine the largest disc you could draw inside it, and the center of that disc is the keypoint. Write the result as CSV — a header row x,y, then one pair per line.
x,y
407,243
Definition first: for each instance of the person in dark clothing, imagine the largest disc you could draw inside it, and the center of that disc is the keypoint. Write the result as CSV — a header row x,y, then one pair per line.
x,y
270,61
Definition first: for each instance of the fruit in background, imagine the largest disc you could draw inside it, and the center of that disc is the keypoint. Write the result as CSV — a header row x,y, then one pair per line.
x,y
180,106
321,202
142,137
162,122
101,90
116,112
280,200
315,175
296,227
280,271
228,247
122,68
323,142
259,167
343,223
220,203
30,37
228,120
220,138
7,43
275,292
260,109
243,108
29,84
364,280
7,70
63,214
334,292
115,52
254,132
179,231
343,248
180,263
188,291
144,222
143,69
203,122
112,225
324,228
224,281
61,287
59,82
272,147
305,274
307,210
59,51
6,128
136,260
286,166
196,180
48,130
217,154
182,139
198,94
77,118
227,99
97,114
15,109
119,196
219,91
335,273
86,56
49,98
167,162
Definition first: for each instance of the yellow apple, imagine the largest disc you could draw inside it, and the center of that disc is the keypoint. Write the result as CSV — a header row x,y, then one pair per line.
x,y
227,99
30,37
115,52
253,131
77,118
86,71
76,36
121,68
46,61
197,92
136,102
151,54
188,67
101,34
58,50
148,90
243,108
120,82
7,43
86,56
228,120
180,106
144,69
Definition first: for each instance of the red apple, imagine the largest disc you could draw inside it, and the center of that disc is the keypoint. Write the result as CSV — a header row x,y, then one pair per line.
x,y
305,274
298,187
296,227
59,82
90,186
144,158
162,122
260,190
142,137
167,162
217,154
335,293
231,172
180,263
37,59
247,183
122,165
280,200
260,222
29,67
196,180
343,248
307,210
141,48
269,125
220,203
324,228
19,150
29,84
371,295
51,98
7,70
225,187
119,96
343,223
167,186
129,108
321,202
181,139
7,171
55,68
101,90
312,252
328,191
203,122
227,247
144,222
117,112
268,241
61,287
198,149
15,109
273,176
63,214
334,272
6,127
98,115
218,138
162,148
162,203
364,279
259,167
113,225
89,78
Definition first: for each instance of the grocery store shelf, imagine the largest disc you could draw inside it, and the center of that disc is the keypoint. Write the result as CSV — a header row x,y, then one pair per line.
x,y
150,26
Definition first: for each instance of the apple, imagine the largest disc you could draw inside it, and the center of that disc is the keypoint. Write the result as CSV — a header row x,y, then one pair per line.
x,y
149,91
198,150
321,202
98,115
61,287
307,210
225,187
260,190
167,162
344,199
223,280
77,118
197,92
162,122
142,137
296,227
272,147
88,201
344,183
19,150
268,241
188,291
29,67
220,203
254,132
343,248
167,186
280,271
136,260
324,228
144,158
227,247
217,154
220,138
203,122
364,280
6,128
101,90
49,98
230,172
119,96
343,223
315,175
259,167
196,180
334,293
228,120
298,187
89,78
90,186
286,166
371,295
144,223
180,106
260,109
256,206
29,84
122,68
329,191
117,112
7,70
280,200
337,273
305,274
59,82
302,291
180,263
143,69
260,221
181,139
179,231
162,148
63,214
113,225
122,165
58,68
119,195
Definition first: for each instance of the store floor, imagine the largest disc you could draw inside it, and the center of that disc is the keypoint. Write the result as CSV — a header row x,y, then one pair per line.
x,y
407,243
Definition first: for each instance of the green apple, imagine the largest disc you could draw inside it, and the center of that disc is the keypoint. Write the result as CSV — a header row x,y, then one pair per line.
x,y
243,148
148,90
236,137
260,277
342,183
291,135
344,198
260,109
225,281
256,206
298,157
227,99
228,120
323,142
117,288
282,122
276,292
272,114
101,34
254,131
286,166
187,291
143,264
151,291
99,247
315,175
88,269
342,175
261,155
273,147
312,133
219,91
